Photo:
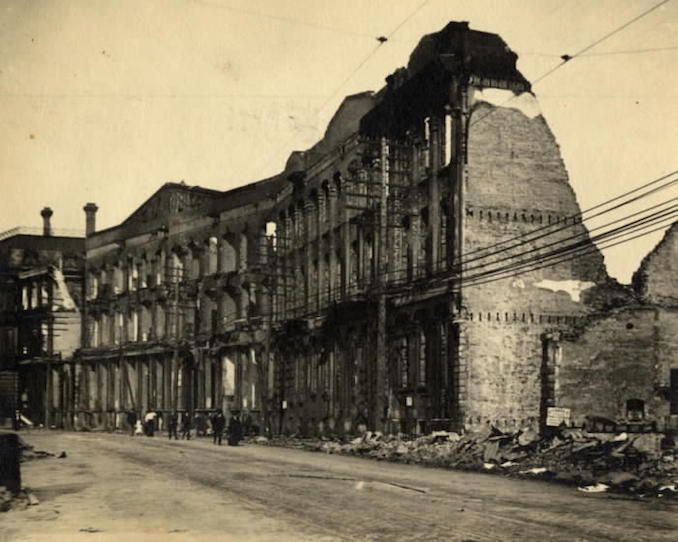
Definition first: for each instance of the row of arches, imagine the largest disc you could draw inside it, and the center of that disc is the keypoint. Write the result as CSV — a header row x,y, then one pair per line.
x,y
206,314
189,261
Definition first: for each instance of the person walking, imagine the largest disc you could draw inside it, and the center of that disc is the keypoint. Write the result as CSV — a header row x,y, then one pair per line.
x,y
186,426
132,421
172,425
138,429
200,424
218,425
234,429
149,423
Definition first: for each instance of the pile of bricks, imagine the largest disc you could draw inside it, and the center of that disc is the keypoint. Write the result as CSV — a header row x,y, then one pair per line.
x,y
569,456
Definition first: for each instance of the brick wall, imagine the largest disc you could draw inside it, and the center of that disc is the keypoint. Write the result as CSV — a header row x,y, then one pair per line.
x,y
624,355
656,279
517,183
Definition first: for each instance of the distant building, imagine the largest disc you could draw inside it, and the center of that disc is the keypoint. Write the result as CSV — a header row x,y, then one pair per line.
x,y
41,281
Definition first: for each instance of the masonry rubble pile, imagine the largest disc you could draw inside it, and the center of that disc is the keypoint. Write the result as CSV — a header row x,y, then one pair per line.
x,y
595,463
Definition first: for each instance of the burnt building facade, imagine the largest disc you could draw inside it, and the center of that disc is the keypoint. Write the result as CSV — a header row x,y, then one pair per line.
x,y
175,305
393,277
41,281
392,310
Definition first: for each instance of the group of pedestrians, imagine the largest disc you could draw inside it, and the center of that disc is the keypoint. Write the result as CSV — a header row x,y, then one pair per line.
x,y
177,428
173,426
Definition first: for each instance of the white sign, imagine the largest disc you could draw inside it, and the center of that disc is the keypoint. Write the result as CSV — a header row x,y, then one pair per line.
x,y
555,416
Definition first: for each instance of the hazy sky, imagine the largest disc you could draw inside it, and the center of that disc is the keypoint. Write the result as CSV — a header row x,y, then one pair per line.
x,y
104,101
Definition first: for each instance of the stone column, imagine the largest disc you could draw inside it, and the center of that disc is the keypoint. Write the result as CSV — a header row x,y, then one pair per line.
x,y
432,259
241,249
310,298
345,226
220,253
332,216
161,267
297,290
414,240
282,270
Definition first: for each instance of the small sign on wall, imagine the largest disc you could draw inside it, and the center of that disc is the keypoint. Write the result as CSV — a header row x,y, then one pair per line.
x,y
556,416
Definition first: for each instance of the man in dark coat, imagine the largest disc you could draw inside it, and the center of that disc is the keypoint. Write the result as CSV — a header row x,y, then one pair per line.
x,y
131,421
200,424
218,425
186,426
234,429
172,426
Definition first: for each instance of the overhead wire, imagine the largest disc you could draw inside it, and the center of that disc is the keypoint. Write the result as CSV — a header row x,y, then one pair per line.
x,y
666,215
562,255
585,250
579,217
281,18
355,70
605,53
560,241
567,58
586,240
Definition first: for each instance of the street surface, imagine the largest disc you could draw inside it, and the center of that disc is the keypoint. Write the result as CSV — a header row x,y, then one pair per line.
x,y
114,487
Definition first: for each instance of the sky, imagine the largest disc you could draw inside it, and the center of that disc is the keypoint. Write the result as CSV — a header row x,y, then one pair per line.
x,y
105,101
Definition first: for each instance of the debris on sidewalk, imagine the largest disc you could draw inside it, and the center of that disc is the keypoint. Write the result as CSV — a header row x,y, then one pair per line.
x,y
598,488
22,500
567,455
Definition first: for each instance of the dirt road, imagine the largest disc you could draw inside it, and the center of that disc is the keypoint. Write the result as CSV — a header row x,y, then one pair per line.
x,y
114,487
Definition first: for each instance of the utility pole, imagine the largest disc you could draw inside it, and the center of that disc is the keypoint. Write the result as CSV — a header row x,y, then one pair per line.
x,y
50,350
174,381
458,99
380,372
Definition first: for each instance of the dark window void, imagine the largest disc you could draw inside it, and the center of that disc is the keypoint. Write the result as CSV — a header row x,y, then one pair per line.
x,y
674,391
635,409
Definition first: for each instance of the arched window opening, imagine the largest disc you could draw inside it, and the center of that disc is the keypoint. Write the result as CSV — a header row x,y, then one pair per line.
x,y
635,409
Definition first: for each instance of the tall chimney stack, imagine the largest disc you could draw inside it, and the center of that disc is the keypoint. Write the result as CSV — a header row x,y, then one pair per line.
x,y
46,215
91,215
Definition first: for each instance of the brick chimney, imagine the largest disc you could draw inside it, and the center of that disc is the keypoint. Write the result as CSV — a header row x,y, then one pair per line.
x,y
46,215
91,217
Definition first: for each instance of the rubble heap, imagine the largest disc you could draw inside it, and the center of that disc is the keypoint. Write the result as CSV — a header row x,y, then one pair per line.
x,y
594,462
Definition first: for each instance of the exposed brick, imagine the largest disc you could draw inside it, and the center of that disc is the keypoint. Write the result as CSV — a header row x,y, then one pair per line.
x,y
655,281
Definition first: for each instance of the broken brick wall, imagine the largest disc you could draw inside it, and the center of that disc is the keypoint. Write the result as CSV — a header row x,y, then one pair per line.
x,y
517,183
655,281
625,355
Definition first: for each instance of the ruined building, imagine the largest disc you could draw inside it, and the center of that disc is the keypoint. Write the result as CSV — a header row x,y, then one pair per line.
x,y
624,363
374,325
372,283
41,279
174,305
